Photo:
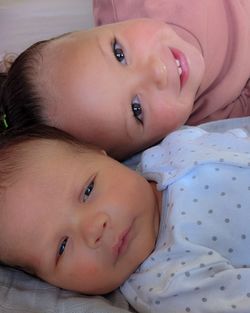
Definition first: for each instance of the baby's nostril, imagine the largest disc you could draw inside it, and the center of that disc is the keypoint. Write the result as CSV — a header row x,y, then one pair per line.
x,y
97,240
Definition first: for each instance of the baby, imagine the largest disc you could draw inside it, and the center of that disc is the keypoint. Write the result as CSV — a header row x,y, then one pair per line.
x,y
177,238
124,86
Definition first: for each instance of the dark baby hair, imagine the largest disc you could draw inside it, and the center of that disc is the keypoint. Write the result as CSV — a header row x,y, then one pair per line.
x,y
20,101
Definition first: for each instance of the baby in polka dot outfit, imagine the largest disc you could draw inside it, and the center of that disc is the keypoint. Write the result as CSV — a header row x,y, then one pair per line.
x,y
201,261
174,235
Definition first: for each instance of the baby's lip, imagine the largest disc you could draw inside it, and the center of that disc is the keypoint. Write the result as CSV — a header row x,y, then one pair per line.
x,y
121,245
182,65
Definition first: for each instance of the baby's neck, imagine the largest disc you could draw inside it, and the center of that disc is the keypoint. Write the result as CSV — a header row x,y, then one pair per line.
x,y
158,205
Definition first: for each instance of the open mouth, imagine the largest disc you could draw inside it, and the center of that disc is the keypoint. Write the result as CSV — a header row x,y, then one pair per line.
x,y
181,64
179,68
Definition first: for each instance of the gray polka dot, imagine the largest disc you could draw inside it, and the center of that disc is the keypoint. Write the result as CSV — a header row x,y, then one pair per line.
x,y
214,238
230,250
210,211
234,306
152,258
186,238
234,178
197,288
202,265
210,268
193,177
222,288
248,294
210,252
188,309
158,275
168,259
138,287
229,148
187,274
169,249
172,274
195,200
204,299
195,162
183,213
158,302
150,289
238,206
222,193
183,263
199,222
243,236
217,169
135,299
188,251
221,160
206,187
227,220
181,189
239,277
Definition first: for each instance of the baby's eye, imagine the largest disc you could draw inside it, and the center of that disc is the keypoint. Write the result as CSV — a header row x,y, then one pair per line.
x,y
88,190
62,247
137,109
118,53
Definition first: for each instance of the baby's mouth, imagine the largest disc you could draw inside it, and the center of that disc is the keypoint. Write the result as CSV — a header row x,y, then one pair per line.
x,y
179,68
122,243
182,65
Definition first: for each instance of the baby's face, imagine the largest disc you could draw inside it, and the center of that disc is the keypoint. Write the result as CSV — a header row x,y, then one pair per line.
x,y
81,221
122,86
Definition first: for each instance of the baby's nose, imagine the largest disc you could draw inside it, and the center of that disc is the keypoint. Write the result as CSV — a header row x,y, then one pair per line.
x,y
157,72
94,229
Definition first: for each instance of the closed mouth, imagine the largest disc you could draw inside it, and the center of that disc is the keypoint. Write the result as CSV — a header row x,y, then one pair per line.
x,y
122,243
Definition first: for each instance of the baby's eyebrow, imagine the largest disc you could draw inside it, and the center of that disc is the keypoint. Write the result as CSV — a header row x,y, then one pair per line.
x,y
101,48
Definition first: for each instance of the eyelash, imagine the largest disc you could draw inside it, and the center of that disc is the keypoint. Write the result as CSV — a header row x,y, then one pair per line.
x,y
62,247
137,109
87,192
118,52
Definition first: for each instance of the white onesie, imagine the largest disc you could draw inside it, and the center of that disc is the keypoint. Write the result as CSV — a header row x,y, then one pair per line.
x,y
201,262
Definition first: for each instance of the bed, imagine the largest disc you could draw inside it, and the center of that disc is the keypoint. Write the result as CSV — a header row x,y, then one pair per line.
x,y
22,23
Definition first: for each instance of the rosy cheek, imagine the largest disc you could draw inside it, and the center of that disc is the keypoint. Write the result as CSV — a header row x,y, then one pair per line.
x,y
93,269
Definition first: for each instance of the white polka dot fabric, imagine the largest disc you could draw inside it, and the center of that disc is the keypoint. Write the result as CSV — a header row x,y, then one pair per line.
x,y
201,262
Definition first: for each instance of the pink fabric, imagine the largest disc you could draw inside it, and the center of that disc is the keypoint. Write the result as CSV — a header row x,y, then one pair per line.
x,y
221,28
